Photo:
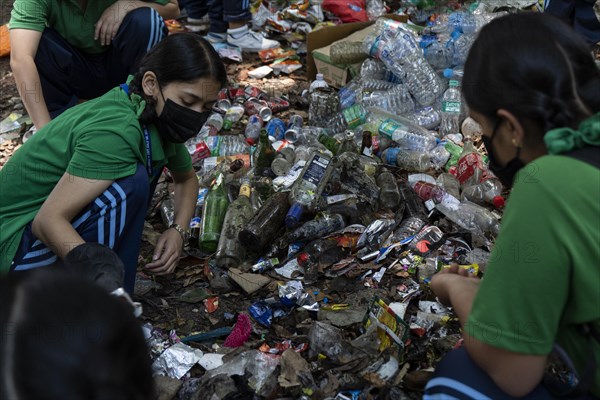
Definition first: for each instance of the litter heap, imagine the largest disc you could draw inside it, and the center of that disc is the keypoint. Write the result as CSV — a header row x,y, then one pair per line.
x,y
326,232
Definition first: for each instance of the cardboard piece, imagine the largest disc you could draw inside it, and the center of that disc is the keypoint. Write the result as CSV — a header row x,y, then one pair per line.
x,y
325,36
250,283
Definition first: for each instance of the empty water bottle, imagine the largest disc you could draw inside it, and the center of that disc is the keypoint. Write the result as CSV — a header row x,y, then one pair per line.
x,y
470,216
451,108
408,136
252,131
347,52
349,94
375,9
376,84
461,47
375,69
226,145
349,118
450,184
215,120
407,159
233,115
323,103
319,82
426,117
398,50
489,190
396,100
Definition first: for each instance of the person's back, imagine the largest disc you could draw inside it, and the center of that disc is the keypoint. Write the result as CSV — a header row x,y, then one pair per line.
x,y
65,338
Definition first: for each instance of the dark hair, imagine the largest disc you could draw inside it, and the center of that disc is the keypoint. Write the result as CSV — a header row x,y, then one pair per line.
x,y
179,57
63,337
534,66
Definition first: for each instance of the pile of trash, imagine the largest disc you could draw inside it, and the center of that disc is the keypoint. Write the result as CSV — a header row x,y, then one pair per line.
x,y
325,231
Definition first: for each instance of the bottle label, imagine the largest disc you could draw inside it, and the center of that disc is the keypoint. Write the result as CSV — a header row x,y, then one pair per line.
x,y
315,171
468,165
245,190
354,116
451,107
388,127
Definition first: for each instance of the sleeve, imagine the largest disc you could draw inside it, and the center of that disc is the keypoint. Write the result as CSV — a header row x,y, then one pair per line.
x,y
160,2
104,156
29,14
525,288
181,161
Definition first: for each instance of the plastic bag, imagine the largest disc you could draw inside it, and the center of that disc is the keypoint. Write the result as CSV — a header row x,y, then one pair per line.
x,y
347,11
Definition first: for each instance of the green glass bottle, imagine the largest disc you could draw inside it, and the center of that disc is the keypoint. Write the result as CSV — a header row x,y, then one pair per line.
x,y
215,208
331,143
230,252
264,156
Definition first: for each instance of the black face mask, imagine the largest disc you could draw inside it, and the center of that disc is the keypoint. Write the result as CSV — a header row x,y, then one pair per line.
x,y
507,173
177,123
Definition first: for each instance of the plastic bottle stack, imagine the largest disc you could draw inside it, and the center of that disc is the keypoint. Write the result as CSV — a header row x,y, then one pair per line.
x,y
346,52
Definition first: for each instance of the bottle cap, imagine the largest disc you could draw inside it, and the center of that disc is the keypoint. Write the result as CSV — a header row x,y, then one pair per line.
x,y
498,201
391,155
448,73
454,83
319,77
292,219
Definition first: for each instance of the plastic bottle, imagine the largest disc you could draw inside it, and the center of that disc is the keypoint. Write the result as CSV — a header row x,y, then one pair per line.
x,y
489,190
375,9
230,251
226,145
213,214
264,155
451,108
308,187
407,159
227,168
348,143
368,84
400,53
233,115
426,117
375,69
429,191
470,166
319,82
396,100
438,55
252,131
455,73
408,137
413,205
262,229
470,216
461,47
449,183
439,156
323,103
389,195
215,120
347,52
349,118
349,94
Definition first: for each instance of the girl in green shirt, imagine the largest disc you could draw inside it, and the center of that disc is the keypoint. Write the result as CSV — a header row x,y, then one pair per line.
x,y
86,176
533,86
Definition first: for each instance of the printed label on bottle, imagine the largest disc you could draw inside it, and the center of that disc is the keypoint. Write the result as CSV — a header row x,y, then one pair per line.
x,y
245,190
353,116
451,106
388,127
315,171
467,166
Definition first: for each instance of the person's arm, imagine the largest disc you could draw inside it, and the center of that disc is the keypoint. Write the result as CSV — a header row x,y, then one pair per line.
x,y
169,245
24,45
52,224
111,19
516,374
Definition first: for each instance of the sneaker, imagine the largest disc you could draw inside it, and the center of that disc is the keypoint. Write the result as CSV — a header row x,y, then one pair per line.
x,y
215,38
249,40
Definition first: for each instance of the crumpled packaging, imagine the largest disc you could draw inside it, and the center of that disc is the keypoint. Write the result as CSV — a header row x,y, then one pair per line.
x,y
176,361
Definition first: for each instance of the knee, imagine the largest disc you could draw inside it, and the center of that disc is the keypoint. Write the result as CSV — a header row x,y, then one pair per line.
x,y
145,22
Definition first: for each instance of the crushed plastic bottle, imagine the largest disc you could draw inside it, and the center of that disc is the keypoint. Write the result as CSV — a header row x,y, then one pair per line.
x,y
489,191
346,52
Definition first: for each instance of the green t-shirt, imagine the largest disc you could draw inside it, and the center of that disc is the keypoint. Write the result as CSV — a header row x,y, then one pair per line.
x,y
543,278
66,17
99,139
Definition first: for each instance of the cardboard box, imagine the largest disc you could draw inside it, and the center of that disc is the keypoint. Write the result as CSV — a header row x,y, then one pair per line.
x,y
323,37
